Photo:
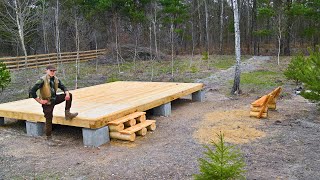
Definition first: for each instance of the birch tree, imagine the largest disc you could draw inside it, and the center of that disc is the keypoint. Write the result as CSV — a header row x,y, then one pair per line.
x,y
207,30
236,82
18,21
221,26
57,32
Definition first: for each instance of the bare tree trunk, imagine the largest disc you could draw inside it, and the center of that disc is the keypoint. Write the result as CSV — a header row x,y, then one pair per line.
x,y
151,59
58,50
287,38
207,31
200,26
279,38
192,52
221,27
155,32
96,43
236,83
135,47
77,39
172,48
254,27
117,49
248,27
44,29
20,25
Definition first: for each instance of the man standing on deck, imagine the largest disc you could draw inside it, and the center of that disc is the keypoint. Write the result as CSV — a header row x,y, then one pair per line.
x,y
48,85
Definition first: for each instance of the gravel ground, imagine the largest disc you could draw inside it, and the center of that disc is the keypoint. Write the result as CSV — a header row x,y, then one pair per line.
x,y
290,149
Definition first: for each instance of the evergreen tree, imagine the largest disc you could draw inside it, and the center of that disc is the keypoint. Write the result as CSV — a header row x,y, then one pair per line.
x,y
5,77
307,70
224,163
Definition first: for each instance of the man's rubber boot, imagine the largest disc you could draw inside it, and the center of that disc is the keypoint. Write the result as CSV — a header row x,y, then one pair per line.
x,y
69,115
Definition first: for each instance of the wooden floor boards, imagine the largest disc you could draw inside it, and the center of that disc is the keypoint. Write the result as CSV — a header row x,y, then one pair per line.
x,y
97,105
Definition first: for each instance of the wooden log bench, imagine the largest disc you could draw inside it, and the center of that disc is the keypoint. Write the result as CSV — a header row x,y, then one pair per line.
x,y
260,107
273,99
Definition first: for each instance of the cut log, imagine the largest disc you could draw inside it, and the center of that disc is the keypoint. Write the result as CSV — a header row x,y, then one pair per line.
x,y
126,137
272,106
141,119
152,127
130,123
126,118
116,128
256,114
137,127
142,132
258,109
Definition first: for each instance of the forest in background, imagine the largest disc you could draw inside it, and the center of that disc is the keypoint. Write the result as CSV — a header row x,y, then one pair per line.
x,y
187,26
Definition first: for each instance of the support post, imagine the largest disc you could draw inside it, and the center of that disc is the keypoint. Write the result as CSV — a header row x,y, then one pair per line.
x,y
34,128
198,96
1,121
163,110
95,137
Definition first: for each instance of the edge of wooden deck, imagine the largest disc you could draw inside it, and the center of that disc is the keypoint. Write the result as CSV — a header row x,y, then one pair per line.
x,y
94,123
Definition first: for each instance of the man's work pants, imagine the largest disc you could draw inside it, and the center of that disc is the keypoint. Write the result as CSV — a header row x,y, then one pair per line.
x,y
48,111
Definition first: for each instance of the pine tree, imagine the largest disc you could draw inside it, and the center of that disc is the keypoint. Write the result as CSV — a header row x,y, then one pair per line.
x,y
307,70
5,77
294,67
224,163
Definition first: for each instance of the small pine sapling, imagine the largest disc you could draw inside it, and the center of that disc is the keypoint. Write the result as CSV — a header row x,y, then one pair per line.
x,y
307,70
226,162
293,68
5,77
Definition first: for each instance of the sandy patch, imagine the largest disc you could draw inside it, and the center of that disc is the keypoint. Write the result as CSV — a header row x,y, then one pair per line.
x,y
236,125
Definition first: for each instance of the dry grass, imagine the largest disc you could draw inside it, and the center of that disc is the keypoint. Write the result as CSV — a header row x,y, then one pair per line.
x,y
236,125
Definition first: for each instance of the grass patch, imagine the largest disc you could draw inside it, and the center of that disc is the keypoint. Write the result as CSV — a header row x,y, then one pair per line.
x,y
225,61
262,79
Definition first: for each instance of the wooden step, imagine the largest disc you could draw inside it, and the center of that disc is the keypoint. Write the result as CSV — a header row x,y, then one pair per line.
x,y
137,127
126,118
125,137
116,128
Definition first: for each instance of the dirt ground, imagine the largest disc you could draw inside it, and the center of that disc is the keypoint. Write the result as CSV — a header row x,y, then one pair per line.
x,y
283,146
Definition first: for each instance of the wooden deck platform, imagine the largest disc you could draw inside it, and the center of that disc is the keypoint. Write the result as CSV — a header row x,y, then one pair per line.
x,y
97,105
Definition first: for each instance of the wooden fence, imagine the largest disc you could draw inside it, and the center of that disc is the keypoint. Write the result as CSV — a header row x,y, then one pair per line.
x,y
36,61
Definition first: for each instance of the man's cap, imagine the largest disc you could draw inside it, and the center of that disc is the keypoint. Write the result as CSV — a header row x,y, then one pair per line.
x,y
51,67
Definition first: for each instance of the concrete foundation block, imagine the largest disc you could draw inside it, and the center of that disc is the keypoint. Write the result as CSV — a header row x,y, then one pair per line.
x,y
198,96
34,128
95,137
1,121
163,110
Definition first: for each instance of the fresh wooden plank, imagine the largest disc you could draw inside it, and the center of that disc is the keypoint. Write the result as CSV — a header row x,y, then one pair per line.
x,y
98,105
137,127
126,118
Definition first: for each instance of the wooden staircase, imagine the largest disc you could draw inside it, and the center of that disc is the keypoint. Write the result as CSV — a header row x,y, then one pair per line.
x,y
130,126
